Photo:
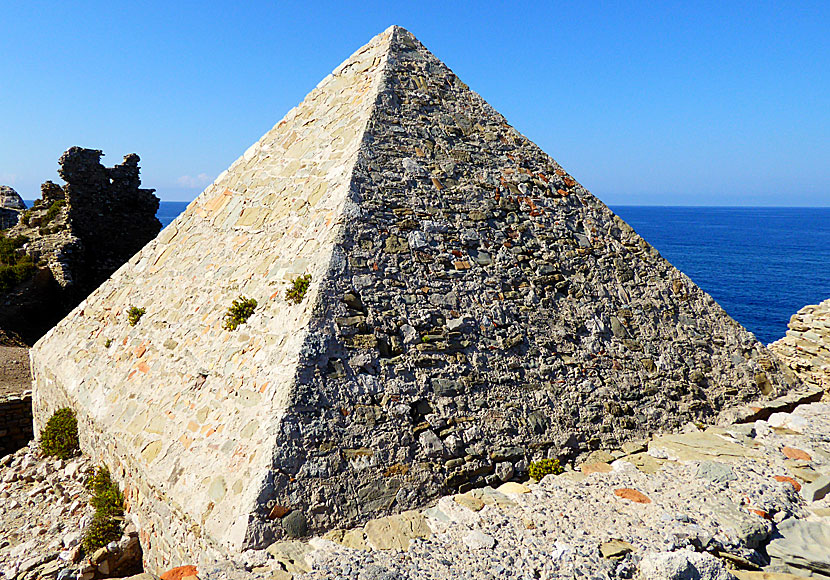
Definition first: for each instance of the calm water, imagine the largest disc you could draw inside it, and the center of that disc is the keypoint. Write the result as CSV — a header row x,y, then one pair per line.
x,y
760,264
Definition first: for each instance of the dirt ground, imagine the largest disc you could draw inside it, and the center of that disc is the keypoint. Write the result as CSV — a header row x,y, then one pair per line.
x,y
14,370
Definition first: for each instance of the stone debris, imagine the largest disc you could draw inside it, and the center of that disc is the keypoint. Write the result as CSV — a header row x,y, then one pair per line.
x,y
44,508
707,514
709,509
806,346
470,309
803,546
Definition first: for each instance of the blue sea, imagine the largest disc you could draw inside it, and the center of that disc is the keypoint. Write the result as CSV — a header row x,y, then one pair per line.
x,y
760,264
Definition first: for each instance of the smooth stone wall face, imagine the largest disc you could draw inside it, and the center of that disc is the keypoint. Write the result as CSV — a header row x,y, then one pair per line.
x,y
187,413
471,306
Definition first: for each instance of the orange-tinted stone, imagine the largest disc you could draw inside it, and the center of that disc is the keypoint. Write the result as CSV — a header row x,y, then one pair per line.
x,y
140,350
179,573
143,367
632,494
793,453
278,511
795,484
595,468
761,513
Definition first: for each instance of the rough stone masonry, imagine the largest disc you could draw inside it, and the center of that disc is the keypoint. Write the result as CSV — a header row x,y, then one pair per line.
x,y
471,308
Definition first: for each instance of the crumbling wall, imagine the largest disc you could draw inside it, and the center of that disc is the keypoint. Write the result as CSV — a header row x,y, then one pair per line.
x,y
806,347
78,235
15,422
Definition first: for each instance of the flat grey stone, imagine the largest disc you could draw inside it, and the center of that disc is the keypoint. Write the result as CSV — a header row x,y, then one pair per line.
x,y
816,490
740,525
700,446
682,565
479,540
716,472
803,545
291,555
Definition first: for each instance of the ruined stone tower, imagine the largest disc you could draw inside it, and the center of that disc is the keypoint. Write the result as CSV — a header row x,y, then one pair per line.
x,y
471,308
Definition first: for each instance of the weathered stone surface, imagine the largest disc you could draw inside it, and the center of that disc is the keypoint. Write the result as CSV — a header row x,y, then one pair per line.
x,y
682,565
816,489
806,347
716,472
803,545
487,277
615,549
755,575
77,235
291,555
699,446
44,510
11,204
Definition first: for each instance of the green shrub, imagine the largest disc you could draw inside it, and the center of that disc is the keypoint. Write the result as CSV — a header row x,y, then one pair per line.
x,y
11,276
53,211
108,502
134,314
9,247
60,436
539,469
24,217
239,312
100,532
108,343
299,286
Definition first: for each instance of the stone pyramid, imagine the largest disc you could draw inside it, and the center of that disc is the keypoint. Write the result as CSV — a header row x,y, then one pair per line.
x,y
471,308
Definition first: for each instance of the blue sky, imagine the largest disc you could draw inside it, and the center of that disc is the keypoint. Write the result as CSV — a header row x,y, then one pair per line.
x,y
657,103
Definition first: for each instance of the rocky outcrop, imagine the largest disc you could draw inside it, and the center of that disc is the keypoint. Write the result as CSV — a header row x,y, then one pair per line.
x,y
75,236
44,511
745,501
714,503
806,346
11,204
438,303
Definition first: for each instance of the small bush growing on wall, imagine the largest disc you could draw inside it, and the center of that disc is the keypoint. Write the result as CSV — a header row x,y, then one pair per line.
x,y
108,502
53,211
299,286
60,436
539,469
14,268
134,314
239,312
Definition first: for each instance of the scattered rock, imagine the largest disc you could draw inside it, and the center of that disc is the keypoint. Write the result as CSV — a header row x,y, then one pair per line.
x,y
793,453
682,565
615,549
179,573
478,540
816,489
803,545
716,472
632,494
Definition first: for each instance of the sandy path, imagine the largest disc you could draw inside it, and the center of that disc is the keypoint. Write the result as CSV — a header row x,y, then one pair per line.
x,y
14,370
